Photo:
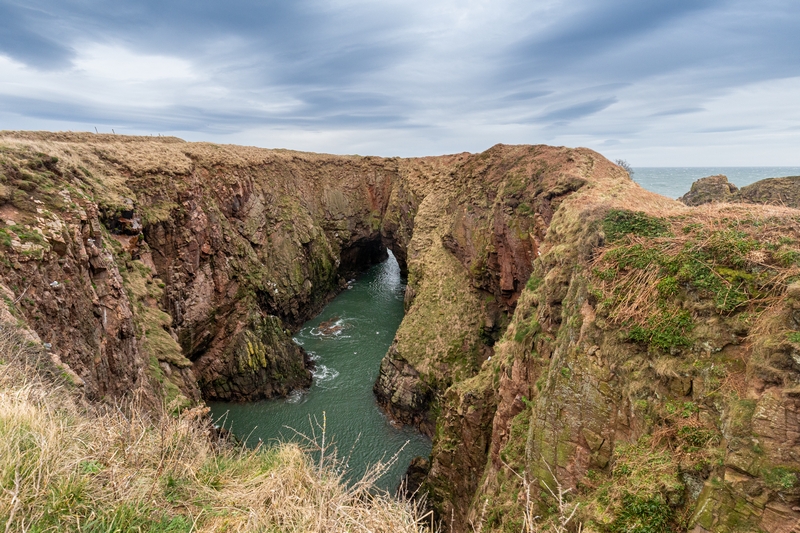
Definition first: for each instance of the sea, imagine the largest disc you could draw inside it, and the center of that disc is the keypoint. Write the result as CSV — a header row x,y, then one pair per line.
x,y
676,181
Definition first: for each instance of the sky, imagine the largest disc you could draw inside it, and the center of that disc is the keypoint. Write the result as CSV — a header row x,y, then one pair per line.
x,y
654,82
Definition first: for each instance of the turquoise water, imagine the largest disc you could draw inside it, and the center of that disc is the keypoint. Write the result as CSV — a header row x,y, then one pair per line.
x,y
676,181
347,341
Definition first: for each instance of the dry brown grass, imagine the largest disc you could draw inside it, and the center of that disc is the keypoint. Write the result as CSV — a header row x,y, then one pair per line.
x,y
634,290
69,466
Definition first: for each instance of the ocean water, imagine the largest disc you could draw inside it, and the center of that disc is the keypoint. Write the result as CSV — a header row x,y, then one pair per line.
x,y
347,341
676,181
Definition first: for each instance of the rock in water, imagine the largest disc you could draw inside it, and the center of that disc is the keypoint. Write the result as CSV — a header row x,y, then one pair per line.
x,y
708,190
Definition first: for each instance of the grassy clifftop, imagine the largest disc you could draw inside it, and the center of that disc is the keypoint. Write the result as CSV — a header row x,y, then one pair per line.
x,y
67,465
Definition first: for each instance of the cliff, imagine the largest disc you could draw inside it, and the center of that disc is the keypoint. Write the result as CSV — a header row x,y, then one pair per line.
x,y
563,327
151,264
71,465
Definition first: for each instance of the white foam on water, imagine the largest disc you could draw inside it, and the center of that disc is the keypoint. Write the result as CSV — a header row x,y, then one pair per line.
x,y
296,396
332,330
322,374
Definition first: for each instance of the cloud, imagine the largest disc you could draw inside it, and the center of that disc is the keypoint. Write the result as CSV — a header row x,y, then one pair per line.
x,y
726,129
576,111
525,95
20,39
118,64
432,76
678,111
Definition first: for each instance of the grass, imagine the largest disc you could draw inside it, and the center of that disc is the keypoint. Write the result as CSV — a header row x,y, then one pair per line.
x,y
780,478
664,330
643,515
69,466
619,223
653,266
635,496
25,235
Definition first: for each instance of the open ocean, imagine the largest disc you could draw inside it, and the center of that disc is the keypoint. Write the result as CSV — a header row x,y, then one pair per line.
x,y
676,181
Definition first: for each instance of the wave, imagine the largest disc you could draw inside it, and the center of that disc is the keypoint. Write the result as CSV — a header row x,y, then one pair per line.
x,y
329,328
297,396
323,373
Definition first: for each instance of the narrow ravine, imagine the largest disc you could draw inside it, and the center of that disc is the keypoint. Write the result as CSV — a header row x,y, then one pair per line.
x,y
347,341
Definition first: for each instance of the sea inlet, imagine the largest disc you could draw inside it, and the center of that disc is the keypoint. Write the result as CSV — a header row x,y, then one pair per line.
x,y
347,341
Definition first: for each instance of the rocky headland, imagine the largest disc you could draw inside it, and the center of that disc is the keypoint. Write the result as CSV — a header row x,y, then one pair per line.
x,y
564,327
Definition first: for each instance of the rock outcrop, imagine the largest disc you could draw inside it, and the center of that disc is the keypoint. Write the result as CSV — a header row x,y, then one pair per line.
x,y
185,265
711,189
773,191
564,327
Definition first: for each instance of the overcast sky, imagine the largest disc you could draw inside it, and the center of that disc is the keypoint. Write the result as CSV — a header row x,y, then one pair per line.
x,y
656,82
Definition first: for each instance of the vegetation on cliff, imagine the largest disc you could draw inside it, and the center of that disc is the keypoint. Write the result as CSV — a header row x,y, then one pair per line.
x,y
67,465
564,327
659,390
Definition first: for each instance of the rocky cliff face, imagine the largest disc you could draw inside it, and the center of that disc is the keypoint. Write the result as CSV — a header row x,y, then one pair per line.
x,y
648,368
563,326
153,261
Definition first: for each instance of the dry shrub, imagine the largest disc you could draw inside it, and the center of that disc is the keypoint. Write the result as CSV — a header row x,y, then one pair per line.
x,y
66,465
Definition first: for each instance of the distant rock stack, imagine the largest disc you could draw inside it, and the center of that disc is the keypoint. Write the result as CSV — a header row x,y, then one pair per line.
x,y
773,191
709,190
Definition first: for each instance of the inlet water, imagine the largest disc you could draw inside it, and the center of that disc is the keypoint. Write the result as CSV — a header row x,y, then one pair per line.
x,y
347,341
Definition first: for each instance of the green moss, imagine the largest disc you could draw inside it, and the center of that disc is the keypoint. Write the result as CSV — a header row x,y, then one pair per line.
x,y
741,416
794,337
619,223
533,282
713,264
159,212
643,515
780,478
513,453
665,330
527,329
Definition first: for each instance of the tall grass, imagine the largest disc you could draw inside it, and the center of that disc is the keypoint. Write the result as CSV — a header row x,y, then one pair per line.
x,y
67,465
